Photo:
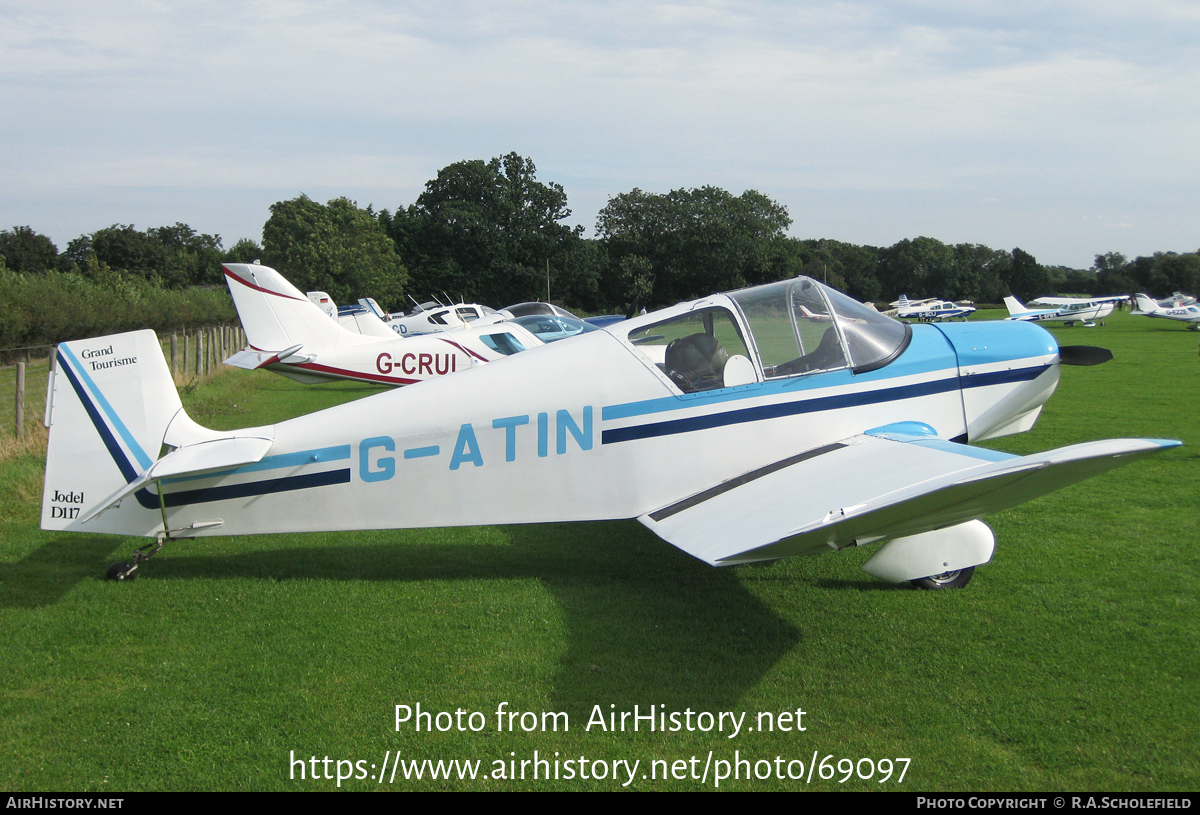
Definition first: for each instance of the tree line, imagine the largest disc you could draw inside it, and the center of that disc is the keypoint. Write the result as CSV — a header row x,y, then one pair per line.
x,y
491,232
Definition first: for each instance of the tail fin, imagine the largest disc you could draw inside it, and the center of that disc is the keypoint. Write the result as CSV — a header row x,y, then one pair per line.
x,y
110,402
276,315
1014,306
1145,304
112,408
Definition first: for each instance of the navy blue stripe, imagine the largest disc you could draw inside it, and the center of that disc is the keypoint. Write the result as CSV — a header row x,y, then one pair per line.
x,y
250,489
144,497
1003,377
150,500
758,414
110,441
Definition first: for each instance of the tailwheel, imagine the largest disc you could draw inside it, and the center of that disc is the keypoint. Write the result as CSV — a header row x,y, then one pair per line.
x,y
946,580
122,570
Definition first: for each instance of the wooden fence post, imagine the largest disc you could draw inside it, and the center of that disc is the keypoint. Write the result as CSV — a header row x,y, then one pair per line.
x,y
20,398
174,358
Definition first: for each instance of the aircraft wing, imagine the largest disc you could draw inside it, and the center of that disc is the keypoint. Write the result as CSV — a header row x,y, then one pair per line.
x,y
882,484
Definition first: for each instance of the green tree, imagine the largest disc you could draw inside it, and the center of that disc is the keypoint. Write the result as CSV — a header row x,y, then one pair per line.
x,y
1027,278
190,258
920,267
244,251
336,247
577,280
696,241
486,231
24,250
982,273
1181,271
848,267
1113,275
127,249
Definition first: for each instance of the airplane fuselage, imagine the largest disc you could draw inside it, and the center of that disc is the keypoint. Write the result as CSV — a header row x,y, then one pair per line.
x,y
589,428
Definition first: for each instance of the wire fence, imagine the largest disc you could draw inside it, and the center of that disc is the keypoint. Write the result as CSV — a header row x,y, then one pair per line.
x,y
192,356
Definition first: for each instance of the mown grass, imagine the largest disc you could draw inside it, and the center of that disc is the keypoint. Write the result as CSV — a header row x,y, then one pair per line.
x,y
1069,663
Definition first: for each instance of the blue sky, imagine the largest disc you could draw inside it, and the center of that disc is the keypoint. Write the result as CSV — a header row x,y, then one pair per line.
x,y
1066,128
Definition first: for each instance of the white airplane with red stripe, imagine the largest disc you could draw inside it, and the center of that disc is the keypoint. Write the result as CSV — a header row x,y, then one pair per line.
x,y
288,334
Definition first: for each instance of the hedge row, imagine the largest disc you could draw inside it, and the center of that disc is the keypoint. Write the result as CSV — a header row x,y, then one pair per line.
x,y
42,309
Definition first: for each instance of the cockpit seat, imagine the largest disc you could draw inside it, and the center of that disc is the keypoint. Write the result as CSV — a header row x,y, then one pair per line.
x,y
696,362
828,354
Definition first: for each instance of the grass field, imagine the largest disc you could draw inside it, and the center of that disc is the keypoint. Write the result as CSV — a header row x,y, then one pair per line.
x,y
1071,662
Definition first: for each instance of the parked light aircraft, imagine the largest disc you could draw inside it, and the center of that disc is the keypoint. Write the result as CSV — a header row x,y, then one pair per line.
x,y
540,308
363,317
1071,301
734,427
1148,307
423,319
291,335
1176,300
929,310
554,327
1085,312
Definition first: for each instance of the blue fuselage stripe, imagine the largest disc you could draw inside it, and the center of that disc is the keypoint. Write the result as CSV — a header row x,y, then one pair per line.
x,y
340,452
795,408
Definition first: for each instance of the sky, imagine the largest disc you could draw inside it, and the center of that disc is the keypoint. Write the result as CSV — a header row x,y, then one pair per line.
x,y
1065,128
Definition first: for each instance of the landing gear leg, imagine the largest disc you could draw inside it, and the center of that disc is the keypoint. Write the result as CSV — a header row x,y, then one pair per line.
x,y
122,570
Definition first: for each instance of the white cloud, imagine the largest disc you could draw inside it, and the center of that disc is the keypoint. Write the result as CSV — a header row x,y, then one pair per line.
x,y
1028,103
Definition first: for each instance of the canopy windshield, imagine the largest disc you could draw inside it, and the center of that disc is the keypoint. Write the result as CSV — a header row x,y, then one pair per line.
x,y
800,326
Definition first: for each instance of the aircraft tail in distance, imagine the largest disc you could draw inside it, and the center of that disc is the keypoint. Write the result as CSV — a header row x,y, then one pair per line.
x,y
1014,306
276,315
1146,304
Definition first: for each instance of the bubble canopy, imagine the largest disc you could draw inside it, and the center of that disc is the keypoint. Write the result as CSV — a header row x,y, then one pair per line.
x,y
801,326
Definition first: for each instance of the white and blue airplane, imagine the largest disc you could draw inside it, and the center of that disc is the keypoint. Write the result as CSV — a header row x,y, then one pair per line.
x,y
781,420
929,309
295,335
1073,301
1147,306
1085,312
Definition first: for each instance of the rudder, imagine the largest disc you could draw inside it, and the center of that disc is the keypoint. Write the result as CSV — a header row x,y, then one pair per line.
x,y
276,315
109,403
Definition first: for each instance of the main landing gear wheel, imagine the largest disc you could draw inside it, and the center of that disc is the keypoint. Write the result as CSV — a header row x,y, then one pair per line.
x,y
946,580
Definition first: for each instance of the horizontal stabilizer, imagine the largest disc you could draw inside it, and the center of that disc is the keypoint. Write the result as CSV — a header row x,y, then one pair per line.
x,y
251,359
192,460
872,487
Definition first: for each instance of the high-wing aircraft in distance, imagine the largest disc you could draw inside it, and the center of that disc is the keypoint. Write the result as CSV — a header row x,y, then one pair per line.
x,y
929,310
1176,300
780,420
1148,307
288,333
1085,312
1072,301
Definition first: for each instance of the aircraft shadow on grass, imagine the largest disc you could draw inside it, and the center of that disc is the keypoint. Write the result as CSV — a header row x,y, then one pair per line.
x,y
51,571
645,623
